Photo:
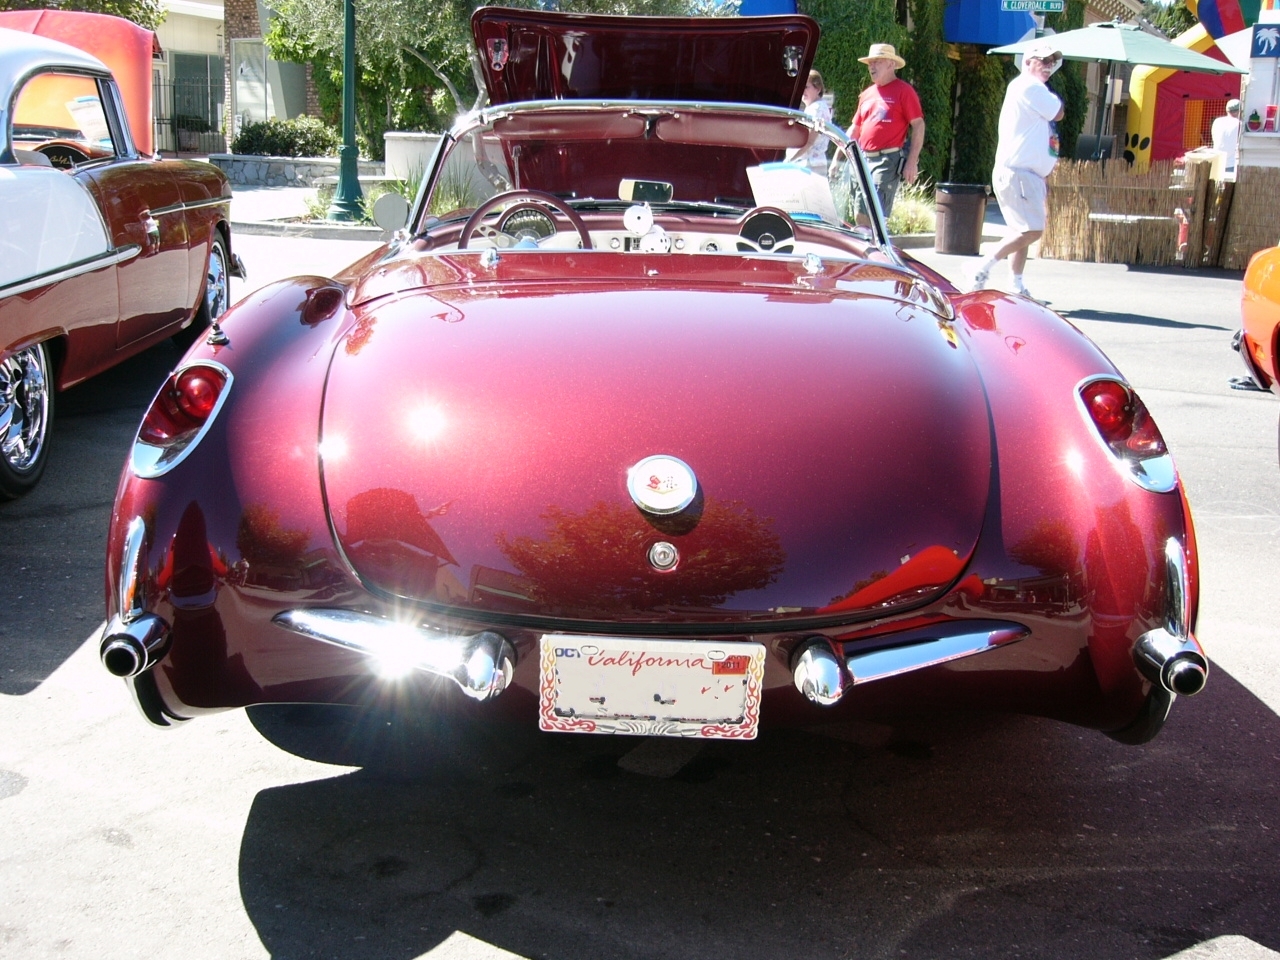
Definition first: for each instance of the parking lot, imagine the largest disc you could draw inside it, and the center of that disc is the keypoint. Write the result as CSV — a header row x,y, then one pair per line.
x,y
296,832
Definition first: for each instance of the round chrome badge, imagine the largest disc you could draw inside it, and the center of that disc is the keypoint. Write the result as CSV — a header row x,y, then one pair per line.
x,y
661,485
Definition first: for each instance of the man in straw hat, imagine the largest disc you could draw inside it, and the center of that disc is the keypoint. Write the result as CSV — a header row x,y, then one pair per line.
x,y
1025,156
888,125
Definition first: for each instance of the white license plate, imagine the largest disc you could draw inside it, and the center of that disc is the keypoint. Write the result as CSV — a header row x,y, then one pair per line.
x,y
667,688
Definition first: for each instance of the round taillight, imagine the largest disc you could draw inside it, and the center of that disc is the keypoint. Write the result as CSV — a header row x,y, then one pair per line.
x,y
197,391
184,404
1110,405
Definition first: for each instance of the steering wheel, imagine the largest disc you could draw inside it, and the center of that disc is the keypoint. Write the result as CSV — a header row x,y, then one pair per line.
x,y
767,230
62,156
527,197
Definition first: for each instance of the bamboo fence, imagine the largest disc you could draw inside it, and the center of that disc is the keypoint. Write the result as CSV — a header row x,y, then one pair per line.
x,y
1254,220
1105,213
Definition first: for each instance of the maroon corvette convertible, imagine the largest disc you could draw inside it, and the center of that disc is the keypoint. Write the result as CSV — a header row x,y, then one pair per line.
x,y
630,431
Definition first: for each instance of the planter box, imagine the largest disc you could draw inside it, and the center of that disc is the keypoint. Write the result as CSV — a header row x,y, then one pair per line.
x,y
284,171
408,153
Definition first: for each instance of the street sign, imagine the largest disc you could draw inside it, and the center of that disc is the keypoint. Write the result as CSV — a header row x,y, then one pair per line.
x,y
1033,6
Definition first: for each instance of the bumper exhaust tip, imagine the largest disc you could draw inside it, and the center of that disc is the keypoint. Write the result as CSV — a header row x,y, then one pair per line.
x,y
818,675
129,649
1176,664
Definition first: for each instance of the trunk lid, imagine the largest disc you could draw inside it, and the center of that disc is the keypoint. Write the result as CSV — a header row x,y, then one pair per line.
x,y
536,55
478,440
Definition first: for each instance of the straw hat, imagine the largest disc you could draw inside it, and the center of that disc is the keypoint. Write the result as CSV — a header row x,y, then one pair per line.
x,y
884,51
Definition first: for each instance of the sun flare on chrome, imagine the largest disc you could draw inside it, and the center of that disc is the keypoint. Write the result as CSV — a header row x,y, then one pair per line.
x,y
427,422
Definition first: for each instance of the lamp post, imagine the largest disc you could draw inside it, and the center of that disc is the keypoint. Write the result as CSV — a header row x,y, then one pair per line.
x,y
346,199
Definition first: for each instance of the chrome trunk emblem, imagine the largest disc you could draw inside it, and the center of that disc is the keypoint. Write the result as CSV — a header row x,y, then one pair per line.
x,y
662,485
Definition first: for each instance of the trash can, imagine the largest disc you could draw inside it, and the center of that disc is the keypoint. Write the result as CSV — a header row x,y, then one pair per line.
x,y
960,209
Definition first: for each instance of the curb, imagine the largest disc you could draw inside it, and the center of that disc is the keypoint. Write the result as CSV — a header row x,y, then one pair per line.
x,y
311,231
915,241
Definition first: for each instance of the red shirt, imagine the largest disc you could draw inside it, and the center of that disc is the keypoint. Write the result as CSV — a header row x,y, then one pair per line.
x,y
884,115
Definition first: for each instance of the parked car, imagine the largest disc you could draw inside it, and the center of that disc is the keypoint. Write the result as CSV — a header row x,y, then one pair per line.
x,y
631,430
1260,315
103,252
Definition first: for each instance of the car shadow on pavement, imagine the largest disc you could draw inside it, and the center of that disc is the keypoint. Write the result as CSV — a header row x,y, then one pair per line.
x,y
53,541
966,837
1106,316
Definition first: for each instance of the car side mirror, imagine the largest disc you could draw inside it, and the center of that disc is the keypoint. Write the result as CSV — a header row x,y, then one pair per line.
x,y
391,212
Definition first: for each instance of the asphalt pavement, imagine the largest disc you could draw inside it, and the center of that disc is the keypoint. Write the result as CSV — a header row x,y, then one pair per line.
x,y
288,832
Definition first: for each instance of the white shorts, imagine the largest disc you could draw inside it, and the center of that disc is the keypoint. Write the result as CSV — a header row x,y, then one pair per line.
x,y
1021,195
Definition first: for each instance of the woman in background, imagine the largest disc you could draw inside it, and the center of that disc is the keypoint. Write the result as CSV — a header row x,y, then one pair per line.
x,y
816,106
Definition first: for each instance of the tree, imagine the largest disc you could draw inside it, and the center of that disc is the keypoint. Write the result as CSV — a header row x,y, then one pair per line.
x,y
1068,83
848,30
414,55
981,82
1170,18
145,13
933,74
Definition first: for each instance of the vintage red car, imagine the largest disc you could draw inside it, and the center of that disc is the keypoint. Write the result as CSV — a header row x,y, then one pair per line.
x,y
99,259
630,430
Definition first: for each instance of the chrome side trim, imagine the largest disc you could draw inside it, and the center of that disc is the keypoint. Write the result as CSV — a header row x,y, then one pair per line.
x,y
108,259
480,664
130,601
1175,568
190,205
149,461
892,661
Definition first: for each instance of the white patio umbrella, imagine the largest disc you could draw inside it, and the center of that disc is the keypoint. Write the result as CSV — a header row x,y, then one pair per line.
x,y
1115,42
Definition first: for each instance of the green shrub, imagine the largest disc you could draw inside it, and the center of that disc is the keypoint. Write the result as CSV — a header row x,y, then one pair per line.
x,y
299,137
914,209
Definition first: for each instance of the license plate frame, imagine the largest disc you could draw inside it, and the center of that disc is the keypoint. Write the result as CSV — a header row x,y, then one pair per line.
x,y
645,686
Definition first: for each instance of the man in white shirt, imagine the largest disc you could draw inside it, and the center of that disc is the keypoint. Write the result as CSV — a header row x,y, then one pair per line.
x,y
1226,135
1025,155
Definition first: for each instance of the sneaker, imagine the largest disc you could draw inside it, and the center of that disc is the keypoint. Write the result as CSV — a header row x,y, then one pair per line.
x,y
1021,290
980,279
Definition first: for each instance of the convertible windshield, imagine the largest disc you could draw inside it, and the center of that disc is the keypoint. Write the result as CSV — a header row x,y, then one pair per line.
x,y
716,161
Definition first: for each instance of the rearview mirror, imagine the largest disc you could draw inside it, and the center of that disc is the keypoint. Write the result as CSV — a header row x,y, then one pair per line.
x,y
645,191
